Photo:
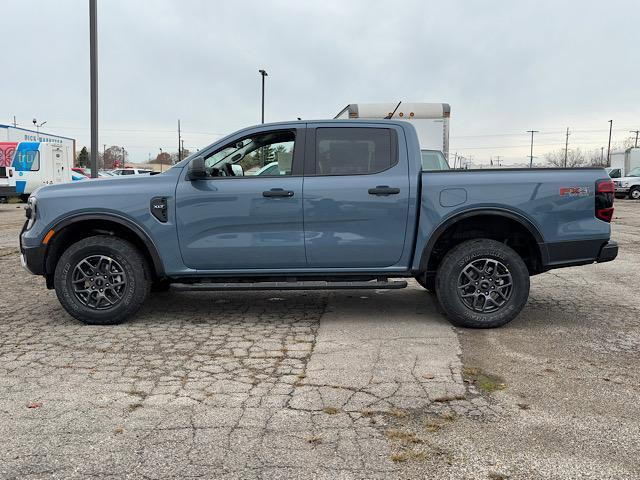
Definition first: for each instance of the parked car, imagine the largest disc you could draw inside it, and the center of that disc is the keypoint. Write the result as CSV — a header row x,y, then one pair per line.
x,y
132,171
82,171
629,185
369,216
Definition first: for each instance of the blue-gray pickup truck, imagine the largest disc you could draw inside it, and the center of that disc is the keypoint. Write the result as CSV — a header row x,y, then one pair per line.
x,y
342,204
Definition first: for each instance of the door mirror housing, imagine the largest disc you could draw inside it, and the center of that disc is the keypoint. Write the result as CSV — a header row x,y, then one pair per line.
x,y
196,169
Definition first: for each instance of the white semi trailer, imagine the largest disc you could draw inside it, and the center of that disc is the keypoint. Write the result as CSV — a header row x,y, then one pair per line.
x,y
431,121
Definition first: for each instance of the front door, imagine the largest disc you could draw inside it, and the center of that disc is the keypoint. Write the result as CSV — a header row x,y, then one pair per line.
x,y
356,197
247,213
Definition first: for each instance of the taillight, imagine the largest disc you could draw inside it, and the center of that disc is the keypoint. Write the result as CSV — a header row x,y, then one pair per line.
x,y
605,191
10,173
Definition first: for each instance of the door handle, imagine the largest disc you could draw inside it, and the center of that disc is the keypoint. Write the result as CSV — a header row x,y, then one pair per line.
x,y
384,190
277,192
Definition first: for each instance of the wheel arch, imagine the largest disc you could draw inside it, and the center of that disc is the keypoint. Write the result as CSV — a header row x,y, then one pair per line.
x,y
71,229
500,215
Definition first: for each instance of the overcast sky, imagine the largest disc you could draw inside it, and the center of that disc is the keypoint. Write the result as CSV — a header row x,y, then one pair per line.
x,y
504,67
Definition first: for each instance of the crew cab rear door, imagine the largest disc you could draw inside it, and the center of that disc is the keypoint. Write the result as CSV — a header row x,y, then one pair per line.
x,y
356,195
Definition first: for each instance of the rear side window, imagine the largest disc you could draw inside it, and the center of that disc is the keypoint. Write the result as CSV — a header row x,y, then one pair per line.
x,y
354,151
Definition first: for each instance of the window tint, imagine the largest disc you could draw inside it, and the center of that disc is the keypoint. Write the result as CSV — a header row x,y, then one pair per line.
x,y
354,151
127,172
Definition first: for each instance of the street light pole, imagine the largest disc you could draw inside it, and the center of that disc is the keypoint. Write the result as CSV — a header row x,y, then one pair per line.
x,y
264,74
609,146
566,148
531,155
93,69
636,132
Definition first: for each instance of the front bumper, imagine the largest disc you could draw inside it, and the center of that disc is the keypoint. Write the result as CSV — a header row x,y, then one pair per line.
x,y
622,190
608,252
32,258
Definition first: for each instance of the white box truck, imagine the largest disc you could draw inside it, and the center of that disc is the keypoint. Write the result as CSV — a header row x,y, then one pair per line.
x,y
431,121
31,159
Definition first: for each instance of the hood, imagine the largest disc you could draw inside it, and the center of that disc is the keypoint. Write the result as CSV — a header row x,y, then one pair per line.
x,y
102,185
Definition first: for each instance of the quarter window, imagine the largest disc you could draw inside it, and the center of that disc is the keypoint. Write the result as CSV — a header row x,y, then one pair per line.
x,y
354,151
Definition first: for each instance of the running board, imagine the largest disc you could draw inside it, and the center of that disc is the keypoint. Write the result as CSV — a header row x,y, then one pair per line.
x,y
216,287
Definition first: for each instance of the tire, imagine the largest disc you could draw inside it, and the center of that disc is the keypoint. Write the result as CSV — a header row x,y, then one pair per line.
x,y
102,261
426,282
470,306
634,193
24,197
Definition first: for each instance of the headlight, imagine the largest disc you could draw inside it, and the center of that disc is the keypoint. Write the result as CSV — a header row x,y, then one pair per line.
x,y
31,211
624,184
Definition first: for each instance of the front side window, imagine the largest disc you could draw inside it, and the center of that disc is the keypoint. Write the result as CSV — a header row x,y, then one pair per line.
x,y
354,151
267,154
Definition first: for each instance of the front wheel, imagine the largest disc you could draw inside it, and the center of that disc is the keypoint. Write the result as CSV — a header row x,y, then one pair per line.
x,y
634,193
102,280
482,284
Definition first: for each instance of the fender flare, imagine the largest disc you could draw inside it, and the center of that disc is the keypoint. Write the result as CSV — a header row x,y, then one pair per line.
x,y
158,266
493,211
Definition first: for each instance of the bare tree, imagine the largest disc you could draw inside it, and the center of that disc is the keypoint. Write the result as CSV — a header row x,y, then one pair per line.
x,y
164,158
115,157
575,158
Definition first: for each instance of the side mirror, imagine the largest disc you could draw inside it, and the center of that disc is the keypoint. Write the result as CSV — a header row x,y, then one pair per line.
x,y
196,169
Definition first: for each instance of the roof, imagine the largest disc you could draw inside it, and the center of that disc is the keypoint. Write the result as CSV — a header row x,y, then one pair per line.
x,y
37,132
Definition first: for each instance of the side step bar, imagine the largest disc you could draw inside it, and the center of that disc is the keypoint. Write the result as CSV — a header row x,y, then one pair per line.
x,y
239,286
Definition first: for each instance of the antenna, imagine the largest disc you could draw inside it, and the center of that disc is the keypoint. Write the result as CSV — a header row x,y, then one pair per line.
x,y
388,117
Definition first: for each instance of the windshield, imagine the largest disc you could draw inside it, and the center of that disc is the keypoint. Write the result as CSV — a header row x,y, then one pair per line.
x,y
433,160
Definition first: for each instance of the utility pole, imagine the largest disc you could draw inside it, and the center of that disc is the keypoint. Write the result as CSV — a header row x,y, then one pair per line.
x,y
93,74
182,146
630,131
264,74
179,143
609,146
566,148
531,155
601,155
498,160
14,121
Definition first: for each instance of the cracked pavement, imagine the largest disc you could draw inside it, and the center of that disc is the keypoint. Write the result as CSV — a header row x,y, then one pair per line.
x,y
349,384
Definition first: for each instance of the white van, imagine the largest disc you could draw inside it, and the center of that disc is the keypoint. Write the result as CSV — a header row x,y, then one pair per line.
x,y
36,164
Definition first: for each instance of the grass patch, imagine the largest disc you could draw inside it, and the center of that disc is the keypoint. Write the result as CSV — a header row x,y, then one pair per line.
x,y
397,413
431,426
403,436
483,381
118,430
408,454
134,406
448,398
330,410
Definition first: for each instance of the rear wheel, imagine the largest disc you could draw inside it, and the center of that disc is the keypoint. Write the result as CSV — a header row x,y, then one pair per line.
x,y
634,193
102,280
482,284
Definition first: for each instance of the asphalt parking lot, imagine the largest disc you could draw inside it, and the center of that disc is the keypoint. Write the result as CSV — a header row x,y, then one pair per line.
x,y
337,385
